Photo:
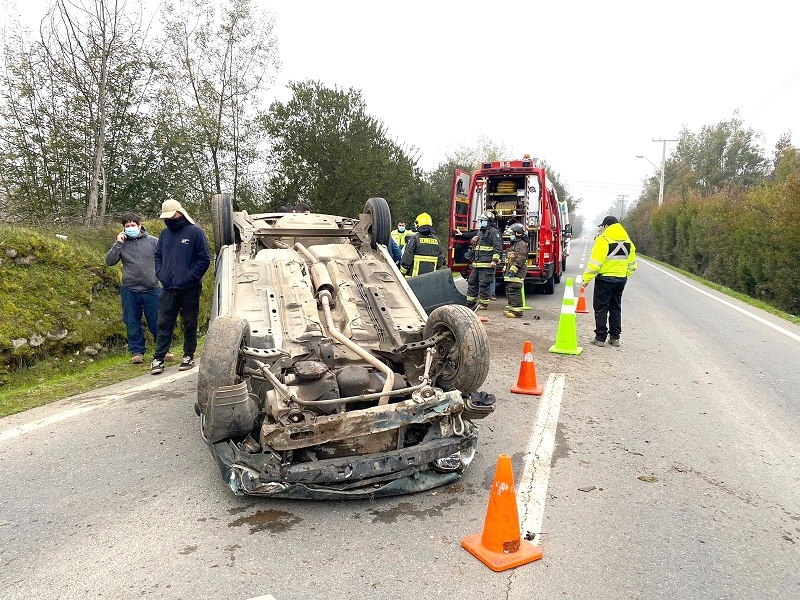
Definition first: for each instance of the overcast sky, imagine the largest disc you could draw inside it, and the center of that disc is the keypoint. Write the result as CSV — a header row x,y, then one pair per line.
x,y
584,85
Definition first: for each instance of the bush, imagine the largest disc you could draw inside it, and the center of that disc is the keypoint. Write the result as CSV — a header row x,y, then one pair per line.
x,y
58,295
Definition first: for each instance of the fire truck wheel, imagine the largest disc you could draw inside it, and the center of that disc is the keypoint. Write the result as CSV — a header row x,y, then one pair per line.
x,y
462,358
381,227
550,285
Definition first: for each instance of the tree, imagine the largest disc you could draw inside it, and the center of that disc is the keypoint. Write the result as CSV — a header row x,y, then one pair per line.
x,y
717,158
221,58
73,98
328,151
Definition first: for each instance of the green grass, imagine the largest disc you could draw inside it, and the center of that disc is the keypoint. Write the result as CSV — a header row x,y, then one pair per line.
x,y
60,378
754,302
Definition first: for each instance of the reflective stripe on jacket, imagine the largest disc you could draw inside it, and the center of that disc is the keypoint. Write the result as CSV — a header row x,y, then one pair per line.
x,y
487,248
423,254
516,262
613,255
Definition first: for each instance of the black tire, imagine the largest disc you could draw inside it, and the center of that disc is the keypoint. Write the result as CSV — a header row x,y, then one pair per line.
x,y
557,277
549,286
221,364
464,356
564,265
381,227
222,221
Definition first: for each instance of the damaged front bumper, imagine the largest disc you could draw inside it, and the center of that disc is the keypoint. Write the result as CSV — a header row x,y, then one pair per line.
x,y
403,471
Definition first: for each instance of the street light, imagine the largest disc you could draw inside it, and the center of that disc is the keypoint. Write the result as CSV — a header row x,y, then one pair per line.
x,y
661,186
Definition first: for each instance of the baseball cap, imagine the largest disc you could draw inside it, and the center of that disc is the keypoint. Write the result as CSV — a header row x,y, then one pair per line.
x,y
609,220
170,207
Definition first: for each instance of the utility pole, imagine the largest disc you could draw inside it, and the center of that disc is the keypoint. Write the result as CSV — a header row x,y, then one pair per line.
x,y
663,164
621,200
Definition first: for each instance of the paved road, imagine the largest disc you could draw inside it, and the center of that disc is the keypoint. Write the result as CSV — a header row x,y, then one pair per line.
x,y
686,438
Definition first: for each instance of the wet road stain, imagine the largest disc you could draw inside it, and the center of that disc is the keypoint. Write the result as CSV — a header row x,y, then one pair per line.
x,y
408,509
273,521
188,550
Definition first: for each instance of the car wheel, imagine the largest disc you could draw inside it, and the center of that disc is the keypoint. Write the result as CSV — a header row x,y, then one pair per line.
x,y
381,227
463,357
550,285
222,221
557,278
221,364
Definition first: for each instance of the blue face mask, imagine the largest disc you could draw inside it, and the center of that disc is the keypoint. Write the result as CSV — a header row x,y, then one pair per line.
x,y
512,237
401,228
132,232
484,223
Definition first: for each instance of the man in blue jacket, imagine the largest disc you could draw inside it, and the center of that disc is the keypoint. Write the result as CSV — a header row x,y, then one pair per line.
x,y
182,258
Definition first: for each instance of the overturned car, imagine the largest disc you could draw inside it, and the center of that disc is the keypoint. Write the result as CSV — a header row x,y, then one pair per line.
x,y
322,376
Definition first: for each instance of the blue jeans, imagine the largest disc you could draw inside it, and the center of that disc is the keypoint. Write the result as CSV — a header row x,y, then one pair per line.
x,y
134,305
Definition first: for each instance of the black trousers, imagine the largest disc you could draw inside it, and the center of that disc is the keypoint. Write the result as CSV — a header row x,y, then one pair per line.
x,y
478,285
185,302
607,304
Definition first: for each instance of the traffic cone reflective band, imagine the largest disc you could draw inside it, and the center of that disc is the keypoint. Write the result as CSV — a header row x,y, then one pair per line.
x,y
581,307
567,334
526,382
500,546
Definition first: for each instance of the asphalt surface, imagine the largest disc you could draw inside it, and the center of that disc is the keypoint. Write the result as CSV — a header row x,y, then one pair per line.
x,y
674,474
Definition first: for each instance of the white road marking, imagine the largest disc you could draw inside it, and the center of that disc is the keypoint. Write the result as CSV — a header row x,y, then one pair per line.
x,y
532,489
761,320
89,406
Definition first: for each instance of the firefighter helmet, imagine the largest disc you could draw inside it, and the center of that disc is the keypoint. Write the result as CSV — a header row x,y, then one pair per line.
x,y
424,219
517,229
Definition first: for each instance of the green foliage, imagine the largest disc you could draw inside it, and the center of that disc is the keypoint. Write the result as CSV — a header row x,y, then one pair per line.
x,y
718,158
745,239
329,152
65,287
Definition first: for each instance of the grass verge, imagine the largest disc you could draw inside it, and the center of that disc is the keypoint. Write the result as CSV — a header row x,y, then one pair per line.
x,y
57,379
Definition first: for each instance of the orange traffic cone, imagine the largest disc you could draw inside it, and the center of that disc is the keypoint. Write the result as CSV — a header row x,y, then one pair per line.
x,y
526,382
581,307
500,546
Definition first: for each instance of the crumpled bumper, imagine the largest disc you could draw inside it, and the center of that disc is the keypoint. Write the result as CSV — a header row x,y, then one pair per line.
x,y
398,472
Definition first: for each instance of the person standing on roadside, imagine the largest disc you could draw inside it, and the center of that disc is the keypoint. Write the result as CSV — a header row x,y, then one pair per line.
x,y
182,257
140,290
487,251
399,235
612,262
515,271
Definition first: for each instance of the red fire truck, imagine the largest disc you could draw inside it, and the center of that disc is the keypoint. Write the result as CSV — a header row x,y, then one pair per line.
x,y
516,191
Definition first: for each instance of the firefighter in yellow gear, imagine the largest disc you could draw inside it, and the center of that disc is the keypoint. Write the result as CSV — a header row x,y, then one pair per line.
x,y
515,271
423,252
612,262
488,247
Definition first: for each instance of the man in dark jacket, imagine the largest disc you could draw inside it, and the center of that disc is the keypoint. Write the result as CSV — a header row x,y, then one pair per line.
x,y
488,247
182,257
140,290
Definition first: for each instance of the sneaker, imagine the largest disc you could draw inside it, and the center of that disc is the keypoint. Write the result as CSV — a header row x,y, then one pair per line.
x,y
186,364
493,298
169,357
137,359
597,342
512,315
483,307
156,367
614,341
